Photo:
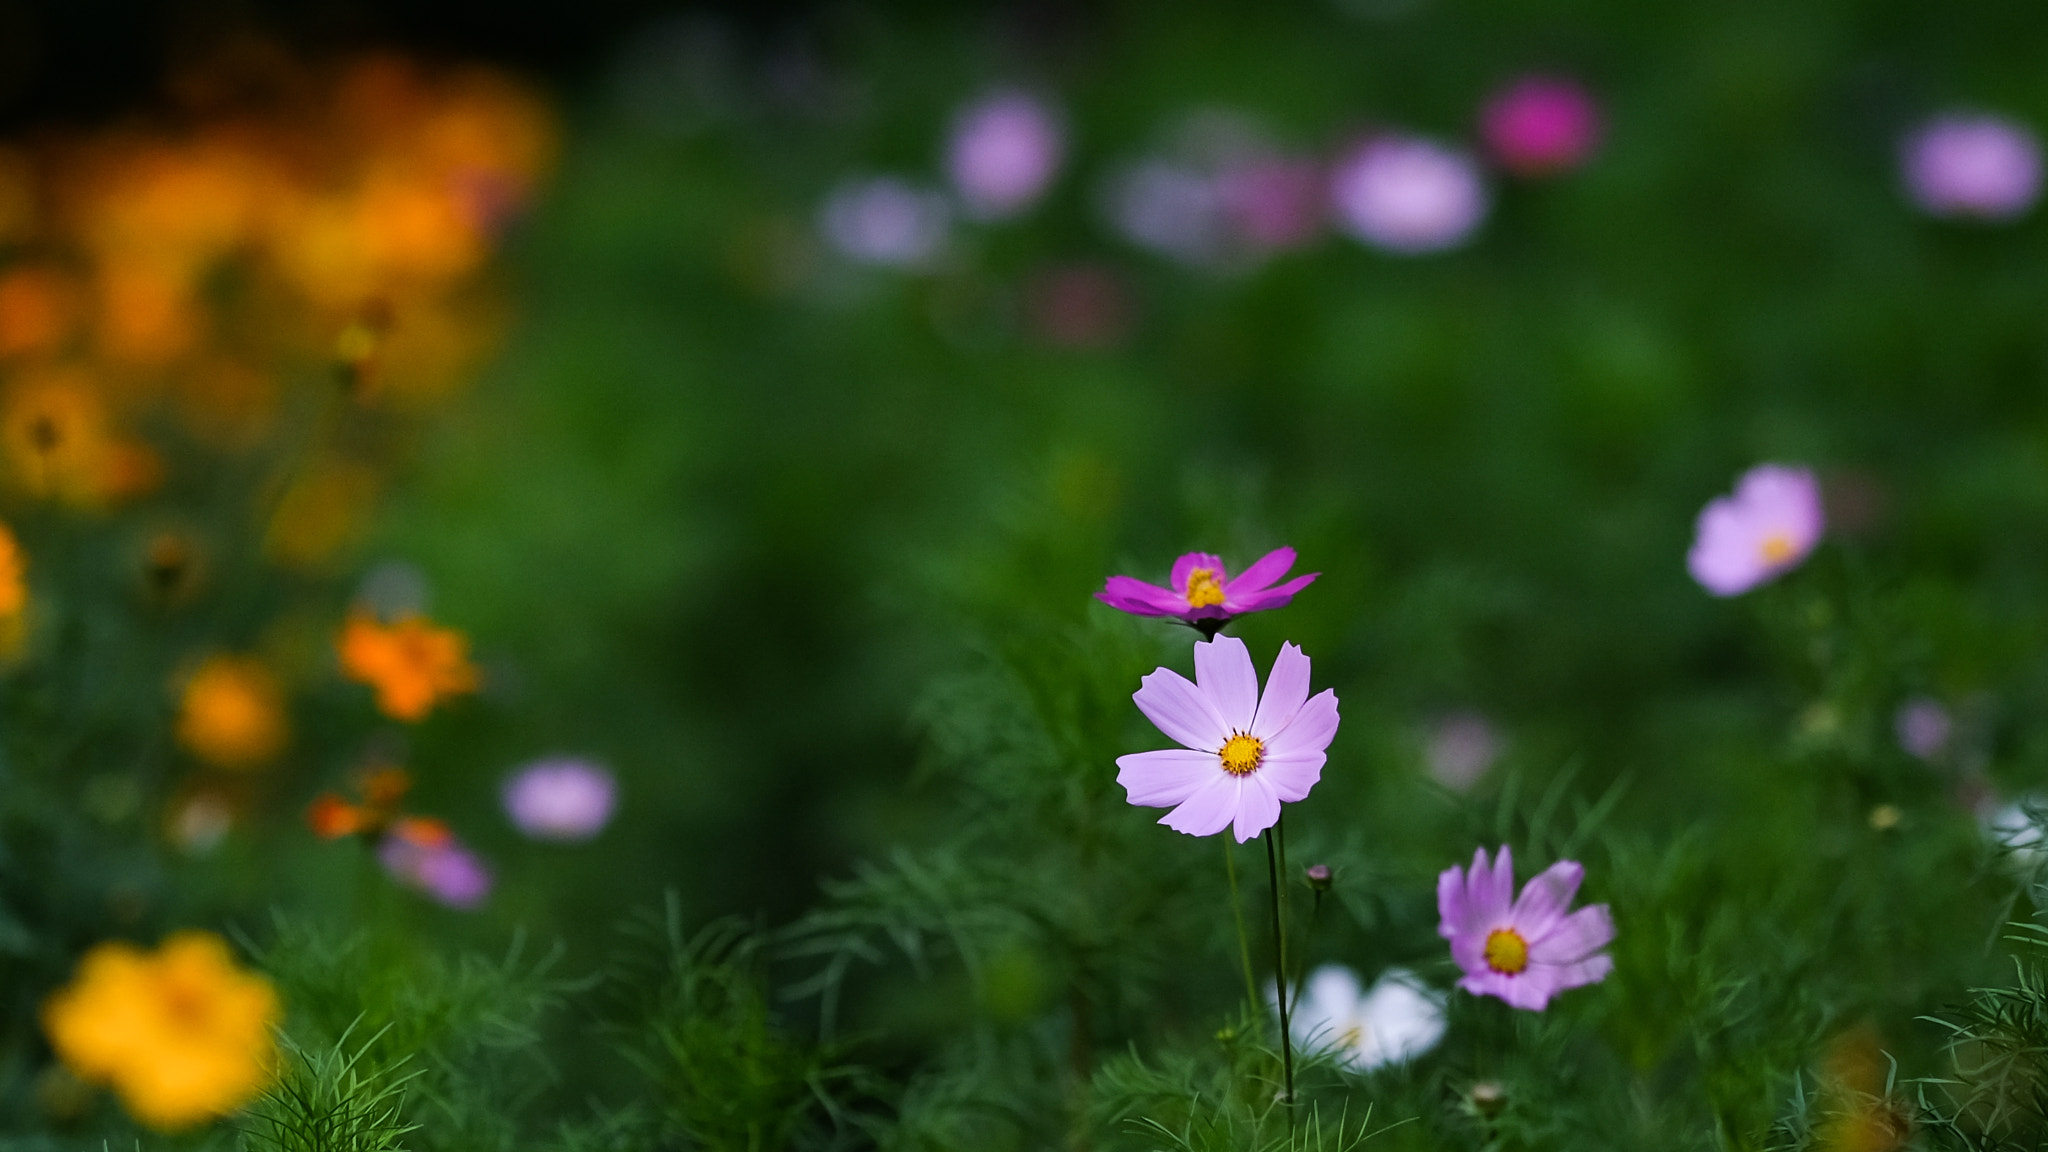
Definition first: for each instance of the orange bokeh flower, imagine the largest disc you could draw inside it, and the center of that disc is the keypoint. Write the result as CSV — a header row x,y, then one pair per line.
x,y
231,714
332,817
410,662
181,1034
13,575
60,442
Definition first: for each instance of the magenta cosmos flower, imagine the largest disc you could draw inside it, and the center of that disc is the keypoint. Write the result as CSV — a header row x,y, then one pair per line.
x,y
1204,593
1541,125
1972,166
1765,529
561,798
1241,754
1524,950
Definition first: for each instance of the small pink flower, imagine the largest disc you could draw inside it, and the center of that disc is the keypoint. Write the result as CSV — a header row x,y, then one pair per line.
x,y
1923,727
1204,593
1241,754
1972,166
1003,154
1765,529
1540,126
1408,194
1524,950
561,798
446,871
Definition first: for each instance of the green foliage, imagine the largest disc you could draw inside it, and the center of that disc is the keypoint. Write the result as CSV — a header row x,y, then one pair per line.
x,y
324,1101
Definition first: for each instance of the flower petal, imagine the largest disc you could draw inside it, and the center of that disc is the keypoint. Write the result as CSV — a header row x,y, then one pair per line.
x,y
1493,890
1544,899
1262,573
1575,937
1133,595
1270,597
1310,729
1186,565
1181,710
1223,670
1257,807
1167,777
1591,970
1293,775
1453,905
1208,811
1286,689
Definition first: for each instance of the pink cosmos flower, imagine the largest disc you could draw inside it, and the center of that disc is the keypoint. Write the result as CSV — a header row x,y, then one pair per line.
x,y
1541,125
1765,529
1524,950
1241,754
448,872
1204,594
1972,166
561,798
1003,154
1408,194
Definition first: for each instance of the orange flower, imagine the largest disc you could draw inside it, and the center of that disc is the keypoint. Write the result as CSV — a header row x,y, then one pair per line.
x,y
38,309
182,1034
410,663
232,714
60,441
332,817
13,575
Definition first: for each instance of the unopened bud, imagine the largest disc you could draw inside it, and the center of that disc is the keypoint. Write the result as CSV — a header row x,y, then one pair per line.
x,y
1318,876
1487,1097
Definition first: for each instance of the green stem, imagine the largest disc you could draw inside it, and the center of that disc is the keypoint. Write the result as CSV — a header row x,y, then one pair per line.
x,y
1280,969
1244,943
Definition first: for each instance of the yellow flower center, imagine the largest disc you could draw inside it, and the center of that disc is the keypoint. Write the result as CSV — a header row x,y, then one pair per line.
x,y
1506,951
1204,590
1777,548
1242,754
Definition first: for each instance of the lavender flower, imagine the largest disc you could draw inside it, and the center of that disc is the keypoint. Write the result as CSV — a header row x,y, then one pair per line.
x,y
1528,950
443,869
884,220
1765,529
1972,166
561,798
1003,154
1408,195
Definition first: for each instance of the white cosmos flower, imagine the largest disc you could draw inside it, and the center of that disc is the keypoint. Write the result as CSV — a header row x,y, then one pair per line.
x,y
1398,1019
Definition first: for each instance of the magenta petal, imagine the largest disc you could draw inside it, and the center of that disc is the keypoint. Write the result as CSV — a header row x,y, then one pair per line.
x,y
1544,899
1208,811
1271,597
1493,890
1531,988
1186,565
1181,710
1726,557
1313,727
1266,569
1257,807
1293,776
1224,672
1574,937
1286,688
1134,595
1591,970
1167,777
1453,908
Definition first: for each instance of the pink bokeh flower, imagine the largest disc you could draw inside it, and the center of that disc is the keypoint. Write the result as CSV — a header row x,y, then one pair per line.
x,y
1765,529
1408,194
1003,154
1204,594
1540,126
1524,949
561,798
443,870
1923,727
1972,165
1241,754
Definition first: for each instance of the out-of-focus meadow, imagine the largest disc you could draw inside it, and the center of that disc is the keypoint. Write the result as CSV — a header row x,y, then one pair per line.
x,y
578,589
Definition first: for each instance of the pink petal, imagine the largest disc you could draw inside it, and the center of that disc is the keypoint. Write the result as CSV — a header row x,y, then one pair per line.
x,y
1286,688
1453,906
1727,552
1575,937
1531,988
1270,597
1310,730
1208,811
1545,898
1167,777
1591,970
1181,710
1223,669
1263,572
1257,807
1292,776
1493,891
1133,595
1186,565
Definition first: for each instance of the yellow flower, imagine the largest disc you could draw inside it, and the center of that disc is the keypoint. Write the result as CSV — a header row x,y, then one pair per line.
x,y
410,663
181,1034
232,713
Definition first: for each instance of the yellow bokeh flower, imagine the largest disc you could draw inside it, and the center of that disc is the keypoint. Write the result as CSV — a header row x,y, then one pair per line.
x,y
231,713
410,663
181,1034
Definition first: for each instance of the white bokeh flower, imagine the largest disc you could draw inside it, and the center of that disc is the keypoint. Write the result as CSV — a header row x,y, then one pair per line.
x,y
1398,1019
